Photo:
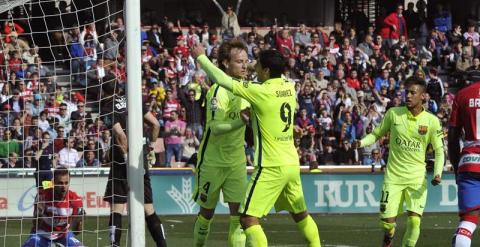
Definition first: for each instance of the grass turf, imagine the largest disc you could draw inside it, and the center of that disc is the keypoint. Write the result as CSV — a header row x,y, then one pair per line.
x,y
345,230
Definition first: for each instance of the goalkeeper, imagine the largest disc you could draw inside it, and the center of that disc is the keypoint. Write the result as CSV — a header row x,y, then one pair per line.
x,y
411,130
116,192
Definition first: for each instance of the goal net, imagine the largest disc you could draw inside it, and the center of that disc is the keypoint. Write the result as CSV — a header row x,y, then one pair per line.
x,y
55,55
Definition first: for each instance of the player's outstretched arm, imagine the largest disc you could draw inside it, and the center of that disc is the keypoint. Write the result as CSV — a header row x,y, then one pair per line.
x,y
214,73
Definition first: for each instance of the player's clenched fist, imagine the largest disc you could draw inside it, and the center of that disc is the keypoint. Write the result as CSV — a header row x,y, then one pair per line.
x,y
436,180
198,50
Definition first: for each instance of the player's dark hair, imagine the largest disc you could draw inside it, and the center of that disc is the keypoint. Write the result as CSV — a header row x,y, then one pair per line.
x,y
415,80
60,171
225,49
274,61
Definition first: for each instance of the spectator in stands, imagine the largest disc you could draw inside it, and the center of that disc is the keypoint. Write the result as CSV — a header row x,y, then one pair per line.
x,y
69,156
284,42
472,34
8,145
376,159
16,44
194,110
13,161
190,145
155,38
170,105
394,25
89,41
442,19
44,161
76,55
435,86
81,114
174,131
169,36
344,155
111,45
105,143
89,160
63,118
230,27
302,36
251,44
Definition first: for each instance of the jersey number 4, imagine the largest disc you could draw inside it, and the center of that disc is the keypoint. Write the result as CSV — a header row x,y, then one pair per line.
x,y
286,115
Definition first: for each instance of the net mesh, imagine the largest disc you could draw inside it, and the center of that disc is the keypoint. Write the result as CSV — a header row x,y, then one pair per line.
x,y
54,58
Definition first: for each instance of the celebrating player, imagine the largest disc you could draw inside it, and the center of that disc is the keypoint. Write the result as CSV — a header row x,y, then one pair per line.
x,y
411,130
276,178
56,210
465,109
221,159
116,192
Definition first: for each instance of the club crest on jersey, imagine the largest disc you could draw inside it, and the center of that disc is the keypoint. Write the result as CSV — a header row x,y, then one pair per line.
x,y
245,84
214,103
422,129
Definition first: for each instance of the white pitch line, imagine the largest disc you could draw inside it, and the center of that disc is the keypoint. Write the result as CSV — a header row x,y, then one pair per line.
x,y
174,221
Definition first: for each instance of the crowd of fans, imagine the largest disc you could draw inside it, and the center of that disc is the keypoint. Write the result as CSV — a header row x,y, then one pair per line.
x,y
346,79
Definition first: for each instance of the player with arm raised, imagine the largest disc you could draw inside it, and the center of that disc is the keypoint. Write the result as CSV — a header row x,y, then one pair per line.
x,y
411,130
221,157
58,214
276,177
465,117
116,192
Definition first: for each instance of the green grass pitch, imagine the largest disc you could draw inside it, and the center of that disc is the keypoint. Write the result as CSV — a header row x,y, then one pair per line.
x,y
346,230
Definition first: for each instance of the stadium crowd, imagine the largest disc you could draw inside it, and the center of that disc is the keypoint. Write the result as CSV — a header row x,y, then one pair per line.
x,y
346,78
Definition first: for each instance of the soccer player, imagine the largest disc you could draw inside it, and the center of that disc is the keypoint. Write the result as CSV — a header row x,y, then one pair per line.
x,y
114,111
464,117
411,130
58,214
276,178
221,157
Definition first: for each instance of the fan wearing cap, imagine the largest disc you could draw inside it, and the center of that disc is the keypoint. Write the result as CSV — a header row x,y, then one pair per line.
x,y
181,48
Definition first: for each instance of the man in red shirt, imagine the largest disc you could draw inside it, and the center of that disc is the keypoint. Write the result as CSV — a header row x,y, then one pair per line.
x,y
394,26
284,43
57,210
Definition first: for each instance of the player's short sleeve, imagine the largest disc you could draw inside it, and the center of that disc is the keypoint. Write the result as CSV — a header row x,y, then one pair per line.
x,y
436,135
248,90
218,103
455,119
